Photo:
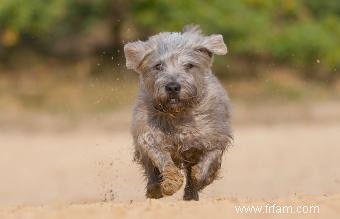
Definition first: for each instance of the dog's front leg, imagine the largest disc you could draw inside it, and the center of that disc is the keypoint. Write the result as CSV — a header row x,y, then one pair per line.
x,y
206,170
172,179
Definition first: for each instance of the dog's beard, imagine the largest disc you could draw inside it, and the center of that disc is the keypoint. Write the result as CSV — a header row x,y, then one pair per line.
x,y
175,104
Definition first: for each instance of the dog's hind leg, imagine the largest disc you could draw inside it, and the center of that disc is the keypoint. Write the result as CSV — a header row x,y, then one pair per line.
x,y
190,191
206,170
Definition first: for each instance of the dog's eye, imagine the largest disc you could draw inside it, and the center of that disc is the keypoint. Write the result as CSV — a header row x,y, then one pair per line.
x,y
188,66
158,67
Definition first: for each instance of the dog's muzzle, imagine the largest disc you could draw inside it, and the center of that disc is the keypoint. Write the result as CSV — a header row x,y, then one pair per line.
x,y
173,88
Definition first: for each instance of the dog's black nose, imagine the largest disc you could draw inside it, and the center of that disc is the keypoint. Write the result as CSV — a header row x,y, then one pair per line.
x,y
173,87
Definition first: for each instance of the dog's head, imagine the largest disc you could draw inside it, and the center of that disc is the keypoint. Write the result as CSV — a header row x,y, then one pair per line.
x,y
173,66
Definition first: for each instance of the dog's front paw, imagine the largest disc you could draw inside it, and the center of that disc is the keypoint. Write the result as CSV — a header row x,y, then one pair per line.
x,y
172,180
154,191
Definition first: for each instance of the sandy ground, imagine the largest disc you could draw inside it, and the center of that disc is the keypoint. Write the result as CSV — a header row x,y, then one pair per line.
x,y
52,169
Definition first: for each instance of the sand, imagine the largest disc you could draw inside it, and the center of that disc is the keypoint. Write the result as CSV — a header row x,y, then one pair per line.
x,y
225,208
52,169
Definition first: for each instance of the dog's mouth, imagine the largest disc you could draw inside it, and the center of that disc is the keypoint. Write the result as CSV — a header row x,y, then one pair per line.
x,y
173,104
170,104
173,101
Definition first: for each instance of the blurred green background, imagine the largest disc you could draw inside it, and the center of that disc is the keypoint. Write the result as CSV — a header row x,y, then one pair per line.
x,y
55,51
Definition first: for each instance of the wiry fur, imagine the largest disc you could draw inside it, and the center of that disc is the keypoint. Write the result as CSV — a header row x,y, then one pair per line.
x,y
192,131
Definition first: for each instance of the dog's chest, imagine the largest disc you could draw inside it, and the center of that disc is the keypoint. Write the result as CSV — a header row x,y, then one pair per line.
x,y
185,143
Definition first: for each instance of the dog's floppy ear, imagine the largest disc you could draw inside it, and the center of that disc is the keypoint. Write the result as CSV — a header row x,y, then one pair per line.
x,y
135,52
214,44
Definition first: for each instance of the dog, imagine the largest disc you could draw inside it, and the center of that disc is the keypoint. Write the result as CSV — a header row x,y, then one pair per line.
x,y
181,119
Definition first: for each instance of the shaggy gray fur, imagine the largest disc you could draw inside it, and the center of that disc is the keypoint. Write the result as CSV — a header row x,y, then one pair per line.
x,y
181,119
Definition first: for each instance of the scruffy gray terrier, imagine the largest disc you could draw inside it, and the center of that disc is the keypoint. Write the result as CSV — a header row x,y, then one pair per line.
x,y
181,119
